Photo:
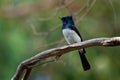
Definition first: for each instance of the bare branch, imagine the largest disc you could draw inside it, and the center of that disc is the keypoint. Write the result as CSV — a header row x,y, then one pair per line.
x,y
87,11
27,74
28,64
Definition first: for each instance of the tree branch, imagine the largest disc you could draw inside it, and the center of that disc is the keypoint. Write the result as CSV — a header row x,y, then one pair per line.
x,y
28,64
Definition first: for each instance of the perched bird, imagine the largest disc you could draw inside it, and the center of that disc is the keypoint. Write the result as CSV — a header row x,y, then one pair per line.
x,y
72,35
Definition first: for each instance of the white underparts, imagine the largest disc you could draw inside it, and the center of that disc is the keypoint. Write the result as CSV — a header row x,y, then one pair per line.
x,y
71,36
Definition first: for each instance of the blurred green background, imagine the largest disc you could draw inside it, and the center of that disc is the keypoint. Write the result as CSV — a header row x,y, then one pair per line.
x,y
28,27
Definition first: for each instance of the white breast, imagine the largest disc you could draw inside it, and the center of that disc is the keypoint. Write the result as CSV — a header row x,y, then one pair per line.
x,y
71,36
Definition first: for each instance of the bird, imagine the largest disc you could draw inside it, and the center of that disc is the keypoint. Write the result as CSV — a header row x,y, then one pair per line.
x,y
72,35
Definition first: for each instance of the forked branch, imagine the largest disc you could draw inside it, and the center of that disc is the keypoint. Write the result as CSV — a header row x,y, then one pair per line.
x,y
25,67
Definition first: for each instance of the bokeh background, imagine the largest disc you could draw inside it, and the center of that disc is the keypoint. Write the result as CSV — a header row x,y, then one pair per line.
x,y
28,27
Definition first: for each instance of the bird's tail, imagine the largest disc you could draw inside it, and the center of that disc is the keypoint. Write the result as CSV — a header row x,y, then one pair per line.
x,y
85,63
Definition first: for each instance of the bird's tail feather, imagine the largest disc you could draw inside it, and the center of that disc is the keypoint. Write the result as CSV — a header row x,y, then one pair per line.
x,y
85,63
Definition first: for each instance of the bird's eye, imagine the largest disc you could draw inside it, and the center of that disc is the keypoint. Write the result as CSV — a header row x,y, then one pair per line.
x,y
64,20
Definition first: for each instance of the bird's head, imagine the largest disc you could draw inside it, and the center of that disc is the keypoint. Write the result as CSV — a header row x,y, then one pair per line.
x,y
67,20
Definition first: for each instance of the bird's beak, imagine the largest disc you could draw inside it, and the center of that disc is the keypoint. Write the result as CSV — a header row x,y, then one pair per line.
x,y
60,17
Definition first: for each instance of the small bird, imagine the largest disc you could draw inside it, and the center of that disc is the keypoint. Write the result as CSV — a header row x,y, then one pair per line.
x,y
72,35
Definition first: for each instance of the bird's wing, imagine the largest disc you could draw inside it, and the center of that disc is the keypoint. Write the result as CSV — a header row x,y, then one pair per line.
x,y
76,30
